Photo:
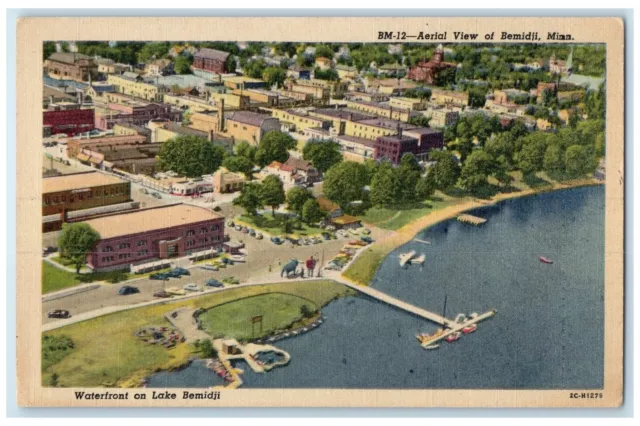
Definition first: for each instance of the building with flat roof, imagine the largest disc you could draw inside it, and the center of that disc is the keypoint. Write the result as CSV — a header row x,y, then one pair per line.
x,y
134,112
417,141
68,120
211,60
79,191
381,109
301,120
74,146
70,66
153,234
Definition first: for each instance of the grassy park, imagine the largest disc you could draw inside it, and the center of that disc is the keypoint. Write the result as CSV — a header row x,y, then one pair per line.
x,y
273,225
278,310
106,351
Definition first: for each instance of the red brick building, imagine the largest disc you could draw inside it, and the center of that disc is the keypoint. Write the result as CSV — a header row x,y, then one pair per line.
x,y
152,234
427,72
138,113
70,66
210,60
393,147
69,121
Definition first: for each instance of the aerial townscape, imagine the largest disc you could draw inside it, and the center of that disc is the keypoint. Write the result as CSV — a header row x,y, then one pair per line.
x,y
348,215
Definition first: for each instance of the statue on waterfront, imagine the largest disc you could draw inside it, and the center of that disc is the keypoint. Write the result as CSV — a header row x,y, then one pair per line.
x,y
289,267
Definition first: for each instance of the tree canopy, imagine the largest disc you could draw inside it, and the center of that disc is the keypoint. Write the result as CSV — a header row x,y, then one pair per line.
x,y
274,146
345,183
323,154
190,156
296,197
250,198
272,192
75,242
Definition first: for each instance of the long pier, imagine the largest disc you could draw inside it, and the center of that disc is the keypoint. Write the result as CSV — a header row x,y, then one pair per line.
x,y
384,297
451,325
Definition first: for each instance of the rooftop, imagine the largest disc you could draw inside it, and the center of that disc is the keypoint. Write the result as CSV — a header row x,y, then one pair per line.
x,y
77,181
343,113
152,219
212,54
183,130
397,138
248,117
68,58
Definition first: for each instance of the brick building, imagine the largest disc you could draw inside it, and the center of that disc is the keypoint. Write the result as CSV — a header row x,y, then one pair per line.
x,y
79,191
427,72
69,120
75,146
393,147
138,113
155,233
211,60
70,66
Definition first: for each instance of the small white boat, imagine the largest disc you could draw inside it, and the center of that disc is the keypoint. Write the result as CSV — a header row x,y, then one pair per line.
x,y
422,241
406,257
430,347
418,260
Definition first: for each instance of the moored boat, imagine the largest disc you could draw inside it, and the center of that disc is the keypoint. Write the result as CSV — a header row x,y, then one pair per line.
x,y
430,347
545,260
453,337
469,328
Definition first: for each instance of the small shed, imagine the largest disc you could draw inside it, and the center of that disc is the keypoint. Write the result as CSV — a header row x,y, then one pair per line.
x,y
232,247
230,346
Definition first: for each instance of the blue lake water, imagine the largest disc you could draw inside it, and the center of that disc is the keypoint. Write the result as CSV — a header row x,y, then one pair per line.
x,y
548,332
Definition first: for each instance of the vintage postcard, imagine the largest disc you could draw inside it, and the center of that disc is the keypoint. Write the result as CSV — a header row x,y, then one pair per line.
x,y
320,212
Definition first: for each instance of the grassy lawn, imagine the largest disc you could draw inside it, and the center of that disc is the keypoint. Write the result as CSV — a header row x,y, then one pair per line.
x,y
278,311
267,223
364,268
54,279
106,351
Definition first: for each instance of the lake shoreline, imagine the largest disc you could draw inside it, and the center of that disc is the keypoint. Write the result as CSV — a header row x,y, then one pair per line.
x,y
378,251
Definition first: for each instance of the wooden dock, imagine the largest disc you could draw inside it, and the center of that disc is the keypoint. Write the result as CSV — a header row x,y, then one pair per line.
x,y
471,219
457,327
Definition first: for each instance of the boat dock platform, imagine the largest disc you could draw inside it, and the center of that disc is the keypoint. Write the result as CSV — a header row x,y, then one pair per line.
x,y
471,219
456,327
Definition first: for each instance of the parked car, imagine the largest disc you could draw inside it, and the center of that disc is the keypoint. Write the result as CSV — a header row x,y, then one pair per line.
x,y
333,266
48,250
159,276
276,240
316,240
176,291
366,239
59,313
183,271
330,228
227,261
226,238
366,231
342,233
210,267
245,230
354,232
156,195
161,293
144,190
326,236
252,232
238,228
230,224
174,273
126,290
259,236
213,283
357,243
192,287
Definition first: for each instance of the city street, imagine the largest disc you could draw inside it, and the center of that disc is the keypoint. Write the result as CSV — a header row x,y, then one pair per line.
x,y
262,255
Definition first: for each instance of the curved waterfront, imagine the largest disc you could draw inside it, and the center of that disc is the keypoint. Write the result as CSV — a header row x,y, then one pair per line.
x,y
548,332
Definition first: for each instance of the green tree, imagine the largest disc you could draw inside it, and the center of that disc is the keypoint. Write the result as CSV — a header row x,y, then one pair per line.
x,y
272,193
501,146
250,198
323,51
425,188
239,165
246,150
408,174
274,75
75,242
306,312
296,197
329,74
531,156
311,212
48,48
345,182
230,65
553,161
190,155
420,120
323,154
578,161
153,50
182,64
445,172
207,349
386,187
64,46
476,98
476,170
254,69
274,146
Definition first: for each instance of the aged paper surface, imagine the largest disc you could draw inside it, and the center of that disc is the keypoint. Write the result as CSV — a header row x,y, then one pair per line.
x,y
518,303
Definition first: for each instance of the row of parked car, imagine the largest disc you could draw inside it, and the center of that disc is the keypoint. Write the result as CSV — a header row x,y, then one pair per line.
x,y
174,273
324,236
245,230
190,287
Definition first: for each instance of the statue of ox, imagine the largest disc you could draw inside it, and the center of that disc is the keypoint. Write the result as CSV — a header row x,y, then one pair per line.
x,y
289,267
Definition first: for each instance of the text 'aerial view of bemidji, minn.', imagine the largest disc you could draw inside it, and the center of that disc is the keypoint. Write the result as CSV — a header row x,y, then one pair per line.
x,y
223,215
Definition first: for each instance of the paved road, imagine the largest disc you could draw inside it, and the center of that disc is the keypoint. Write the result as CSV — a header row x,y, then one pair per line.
x,y
262,254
